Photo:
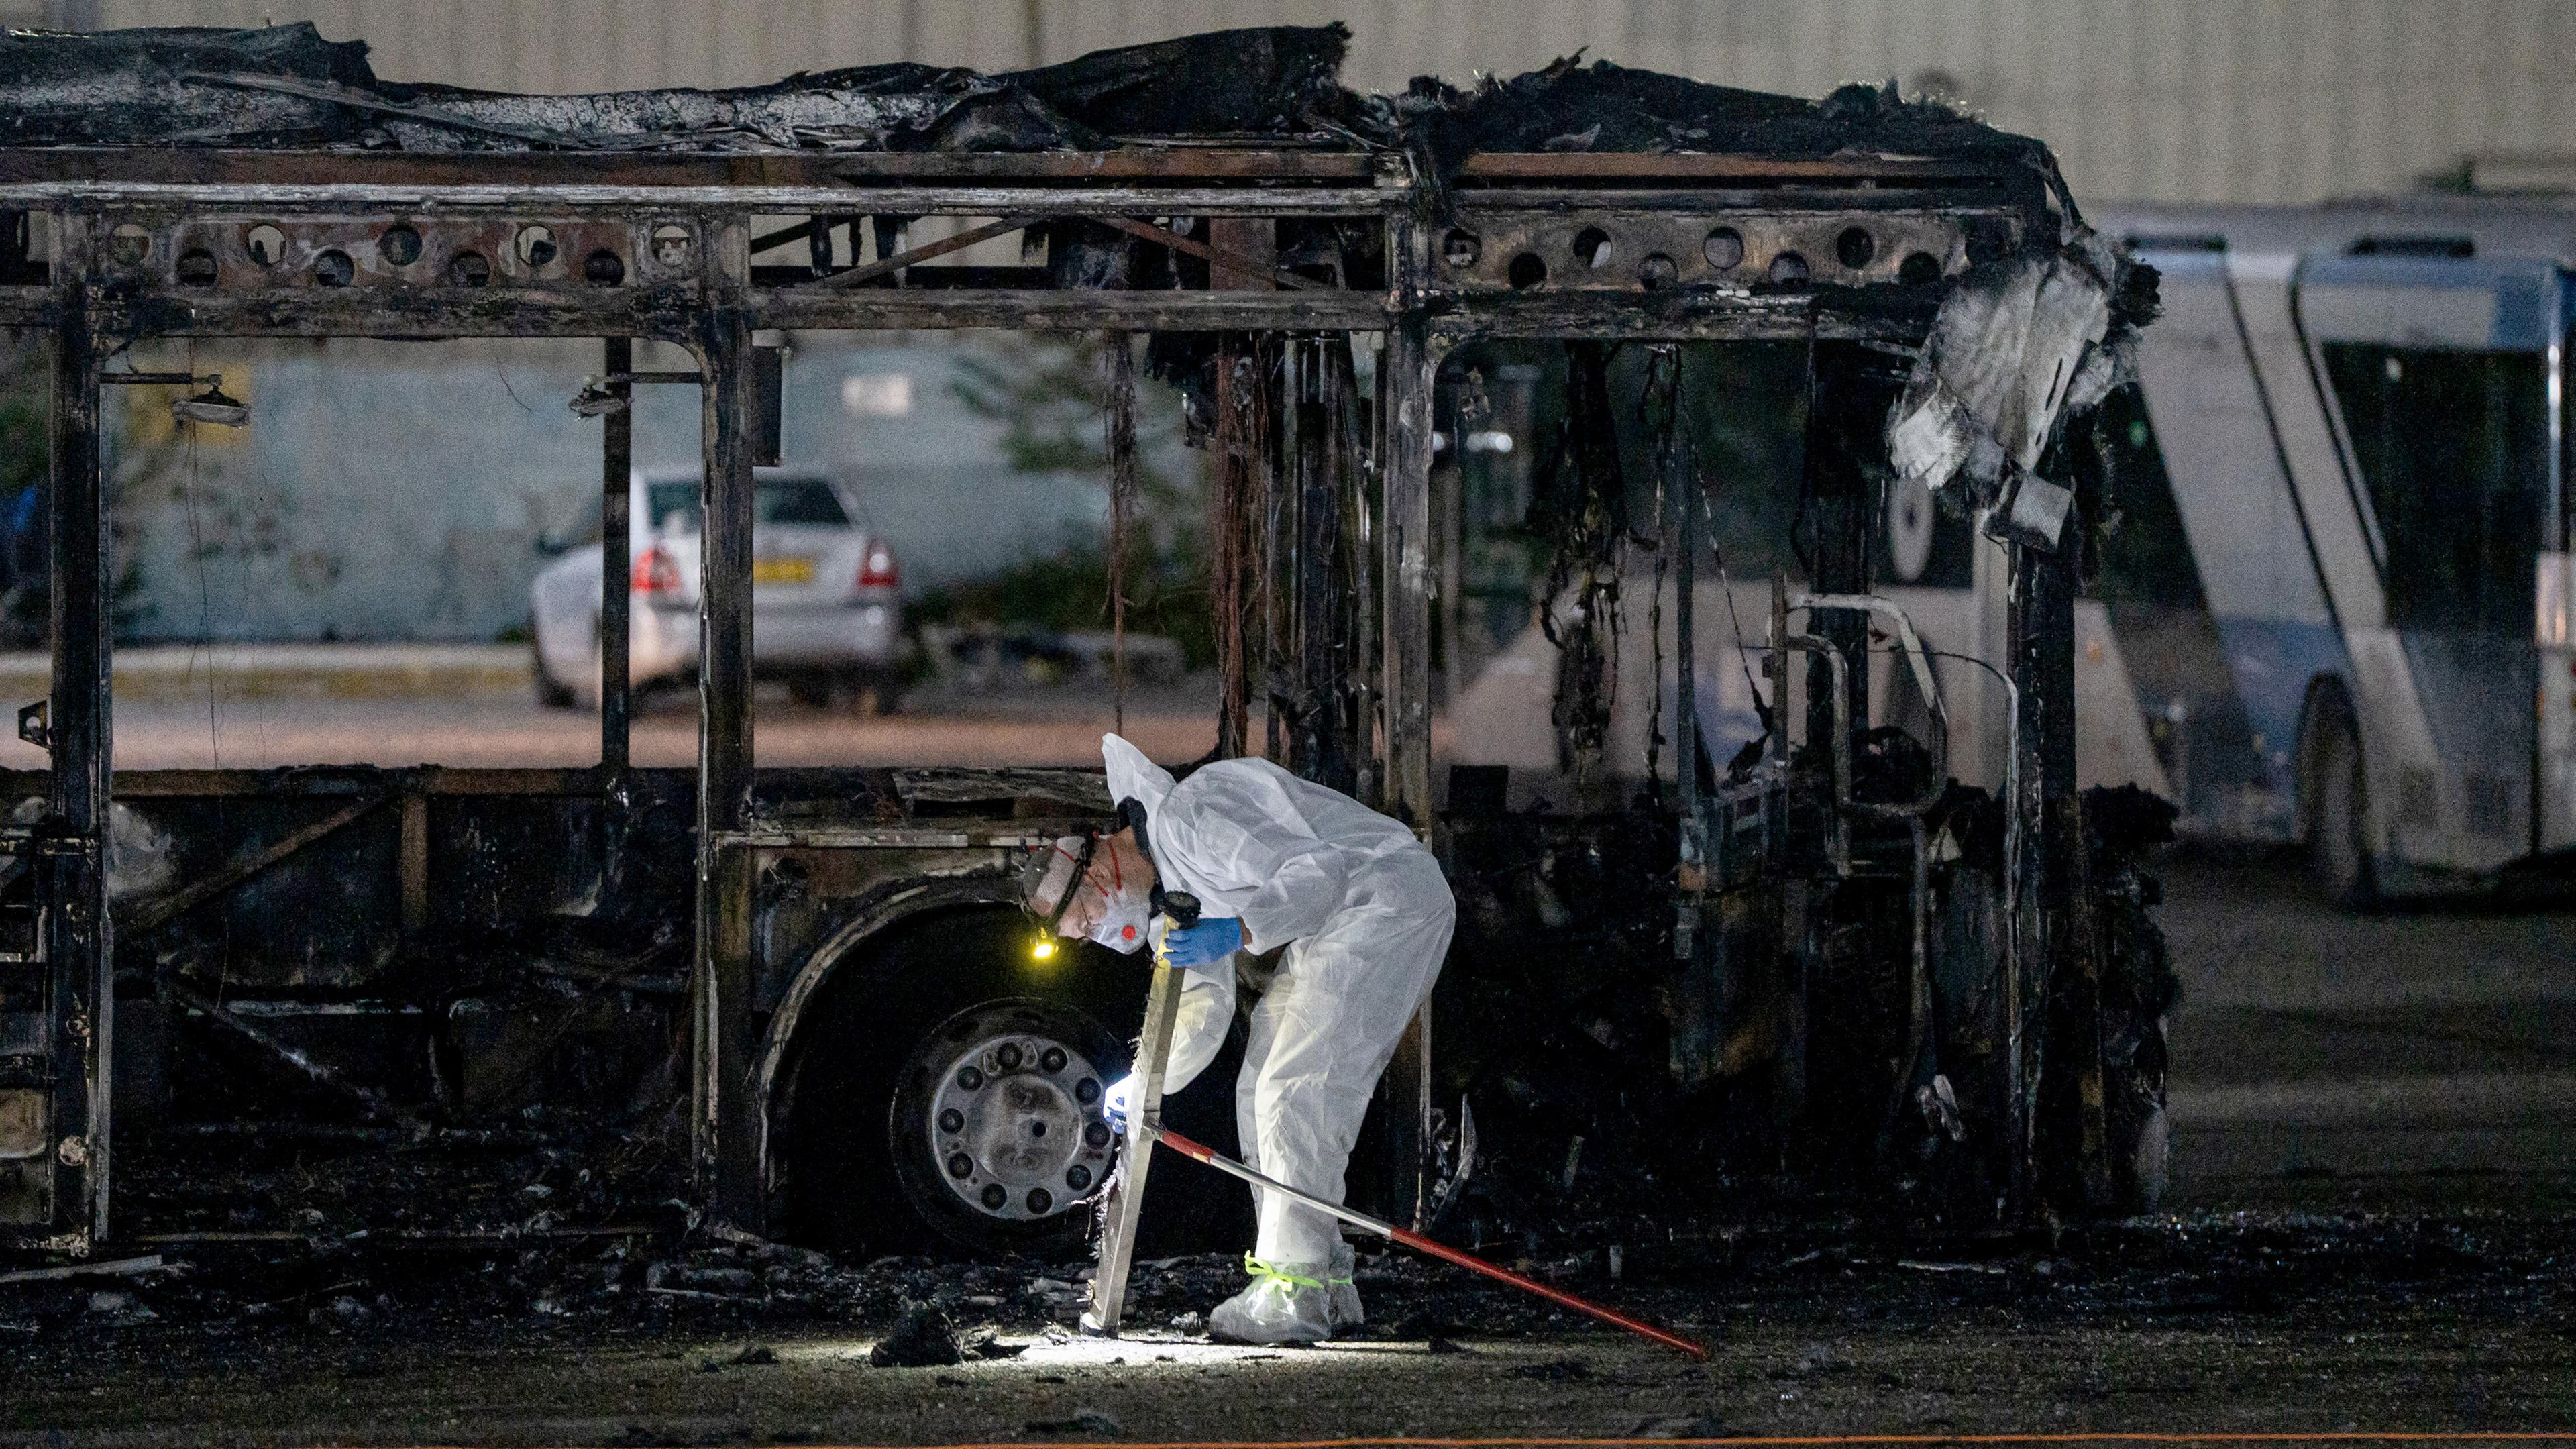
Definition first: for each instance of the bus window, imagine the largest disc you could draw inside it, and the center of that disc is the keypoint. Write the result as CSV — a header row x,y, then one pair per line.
x,y
2146,556
2453,449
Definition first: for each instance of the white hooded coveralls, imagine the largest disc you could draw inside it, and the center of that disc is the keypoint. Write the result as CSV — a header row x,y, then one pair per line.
x,y
1366,916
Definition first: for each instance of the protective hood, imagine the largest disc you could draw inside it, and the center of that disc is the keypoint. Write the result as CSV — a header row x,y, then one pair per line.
x,y
1134,777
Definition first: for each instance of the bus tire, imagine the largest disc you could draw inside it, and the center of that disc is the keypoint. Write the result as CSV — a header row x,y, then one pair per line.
x,y
860,1168
2339,816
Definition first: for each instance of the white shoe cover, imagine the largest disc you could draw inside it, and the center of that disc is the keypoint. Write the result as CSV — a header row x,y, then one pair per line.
x,y
1287,1303
1342,1279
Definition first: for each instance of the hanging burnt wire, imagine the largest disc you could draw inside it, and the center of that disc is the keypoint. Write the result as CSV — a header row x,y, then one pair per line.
x,y
1274,543
1581,511
1659,410
1310,674
1355,451
1238,559
1118,426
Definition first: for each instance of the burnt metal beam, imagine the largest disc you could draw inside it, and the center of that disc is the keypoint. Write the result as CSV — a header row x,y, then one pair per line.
x,y
1405,393
1347,469
80,938
1247,415
616,552
1361,441
887,266
647,202
1844,416
429,780
1241,263
1145,167
1680,316
665,313
725,1117
1072,311
1323,474
2040,648
1563,166
1142,168
1241,445
355,99
1681,530
161,910
374,1102
1684,198
411,866
1404,561
801,231
662,313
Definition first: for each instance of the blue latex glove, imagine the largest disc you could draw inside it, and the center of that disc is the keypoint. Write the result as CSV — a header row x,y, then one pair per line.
x,y
1196,948
1114,1102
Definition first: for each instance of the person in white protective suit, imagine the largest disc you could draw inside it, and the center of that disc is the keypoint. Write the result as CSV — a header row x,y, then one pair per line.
x,y
1365,915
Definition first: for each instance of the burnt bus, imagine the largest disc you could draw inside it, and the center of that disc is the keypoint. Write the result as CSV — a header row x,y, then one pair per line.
x,y
816,982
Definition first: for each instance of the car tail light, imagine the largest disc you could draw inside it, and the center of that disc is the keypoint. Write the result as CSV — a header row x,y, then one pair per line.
x,y
877,569
656,572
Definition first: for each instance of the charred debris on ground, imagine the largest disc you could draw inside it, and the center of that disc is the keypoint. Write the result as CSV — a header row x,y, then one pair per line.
x,y
915,1313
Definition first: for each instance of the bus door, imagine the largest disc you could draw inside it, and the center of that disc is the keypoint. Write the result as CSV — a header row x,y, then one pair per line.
x,y
2435,366
2210,583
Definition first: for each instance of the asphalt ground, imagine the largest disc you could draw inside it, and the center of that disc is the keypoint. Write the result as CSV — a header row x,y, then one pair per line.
x,y
2409,1060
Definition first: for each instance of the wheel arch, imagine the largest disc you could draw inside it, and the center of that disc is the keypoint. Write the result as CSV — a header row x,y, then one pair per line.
x,y
883,913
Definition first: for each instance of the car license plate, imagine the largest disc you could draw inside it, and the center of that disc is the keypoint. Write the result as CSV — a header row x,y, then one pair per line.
x,y
782,571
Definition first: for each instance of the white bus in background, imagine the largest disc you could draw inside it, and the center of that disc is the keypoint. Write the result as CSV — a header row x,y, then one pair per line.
x,y
2357,413
2334,611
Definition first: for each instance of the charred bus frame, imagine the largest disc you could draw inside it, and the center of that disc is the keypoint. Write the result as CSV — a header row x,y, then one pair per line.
x,y
154,244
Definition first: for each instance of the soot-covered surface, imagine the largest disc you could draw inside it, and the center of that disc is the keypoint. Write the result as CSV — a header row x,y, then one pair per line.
x,y
2214,1322
287,87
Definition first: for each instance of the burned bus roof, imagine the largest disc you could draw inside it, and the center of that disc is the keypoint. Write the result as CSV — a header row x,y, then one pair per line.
x,y
257,182
1265,89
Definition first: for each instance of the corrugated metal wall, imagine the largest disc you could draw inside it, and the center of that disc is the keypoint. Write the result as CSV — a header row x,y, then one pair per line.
x,y
2213,100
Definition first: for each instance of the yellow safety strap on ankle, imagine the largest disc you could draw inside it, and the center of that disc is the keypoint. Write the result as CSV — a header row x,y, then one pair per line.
x,y
1269,1274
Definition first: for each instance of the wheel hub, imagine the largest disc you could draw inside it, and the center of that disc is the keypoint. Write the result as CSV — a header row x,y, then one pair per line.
x,y
1018,1127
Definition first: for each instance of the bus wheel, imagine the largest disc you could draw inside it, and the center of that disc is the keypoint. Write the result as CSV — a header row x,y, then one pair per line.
x,y
2339,816
998,1132
943,1094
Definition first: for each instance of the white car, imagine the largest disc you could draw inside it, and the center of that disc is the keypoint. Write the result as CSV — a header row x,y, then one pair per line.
x,y
825,599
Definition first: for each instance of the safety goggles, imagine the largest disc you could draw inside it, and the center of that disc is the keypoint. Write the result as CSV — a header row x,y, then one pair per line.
x,y
1058,869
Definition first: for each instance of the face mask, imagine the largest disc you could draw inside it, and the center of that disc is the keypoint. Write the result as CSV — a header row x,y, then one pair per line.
x,y
1124,915
1123,921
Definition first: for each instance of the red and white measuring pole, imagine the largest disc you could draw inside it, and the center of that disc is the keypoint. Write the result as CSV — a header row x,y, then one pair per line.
x,y
1421,1244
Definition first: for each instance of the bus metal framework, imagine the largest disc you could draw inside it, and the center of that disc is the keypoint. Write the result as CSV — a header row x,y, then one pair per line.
x,y
2332,608
788,885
